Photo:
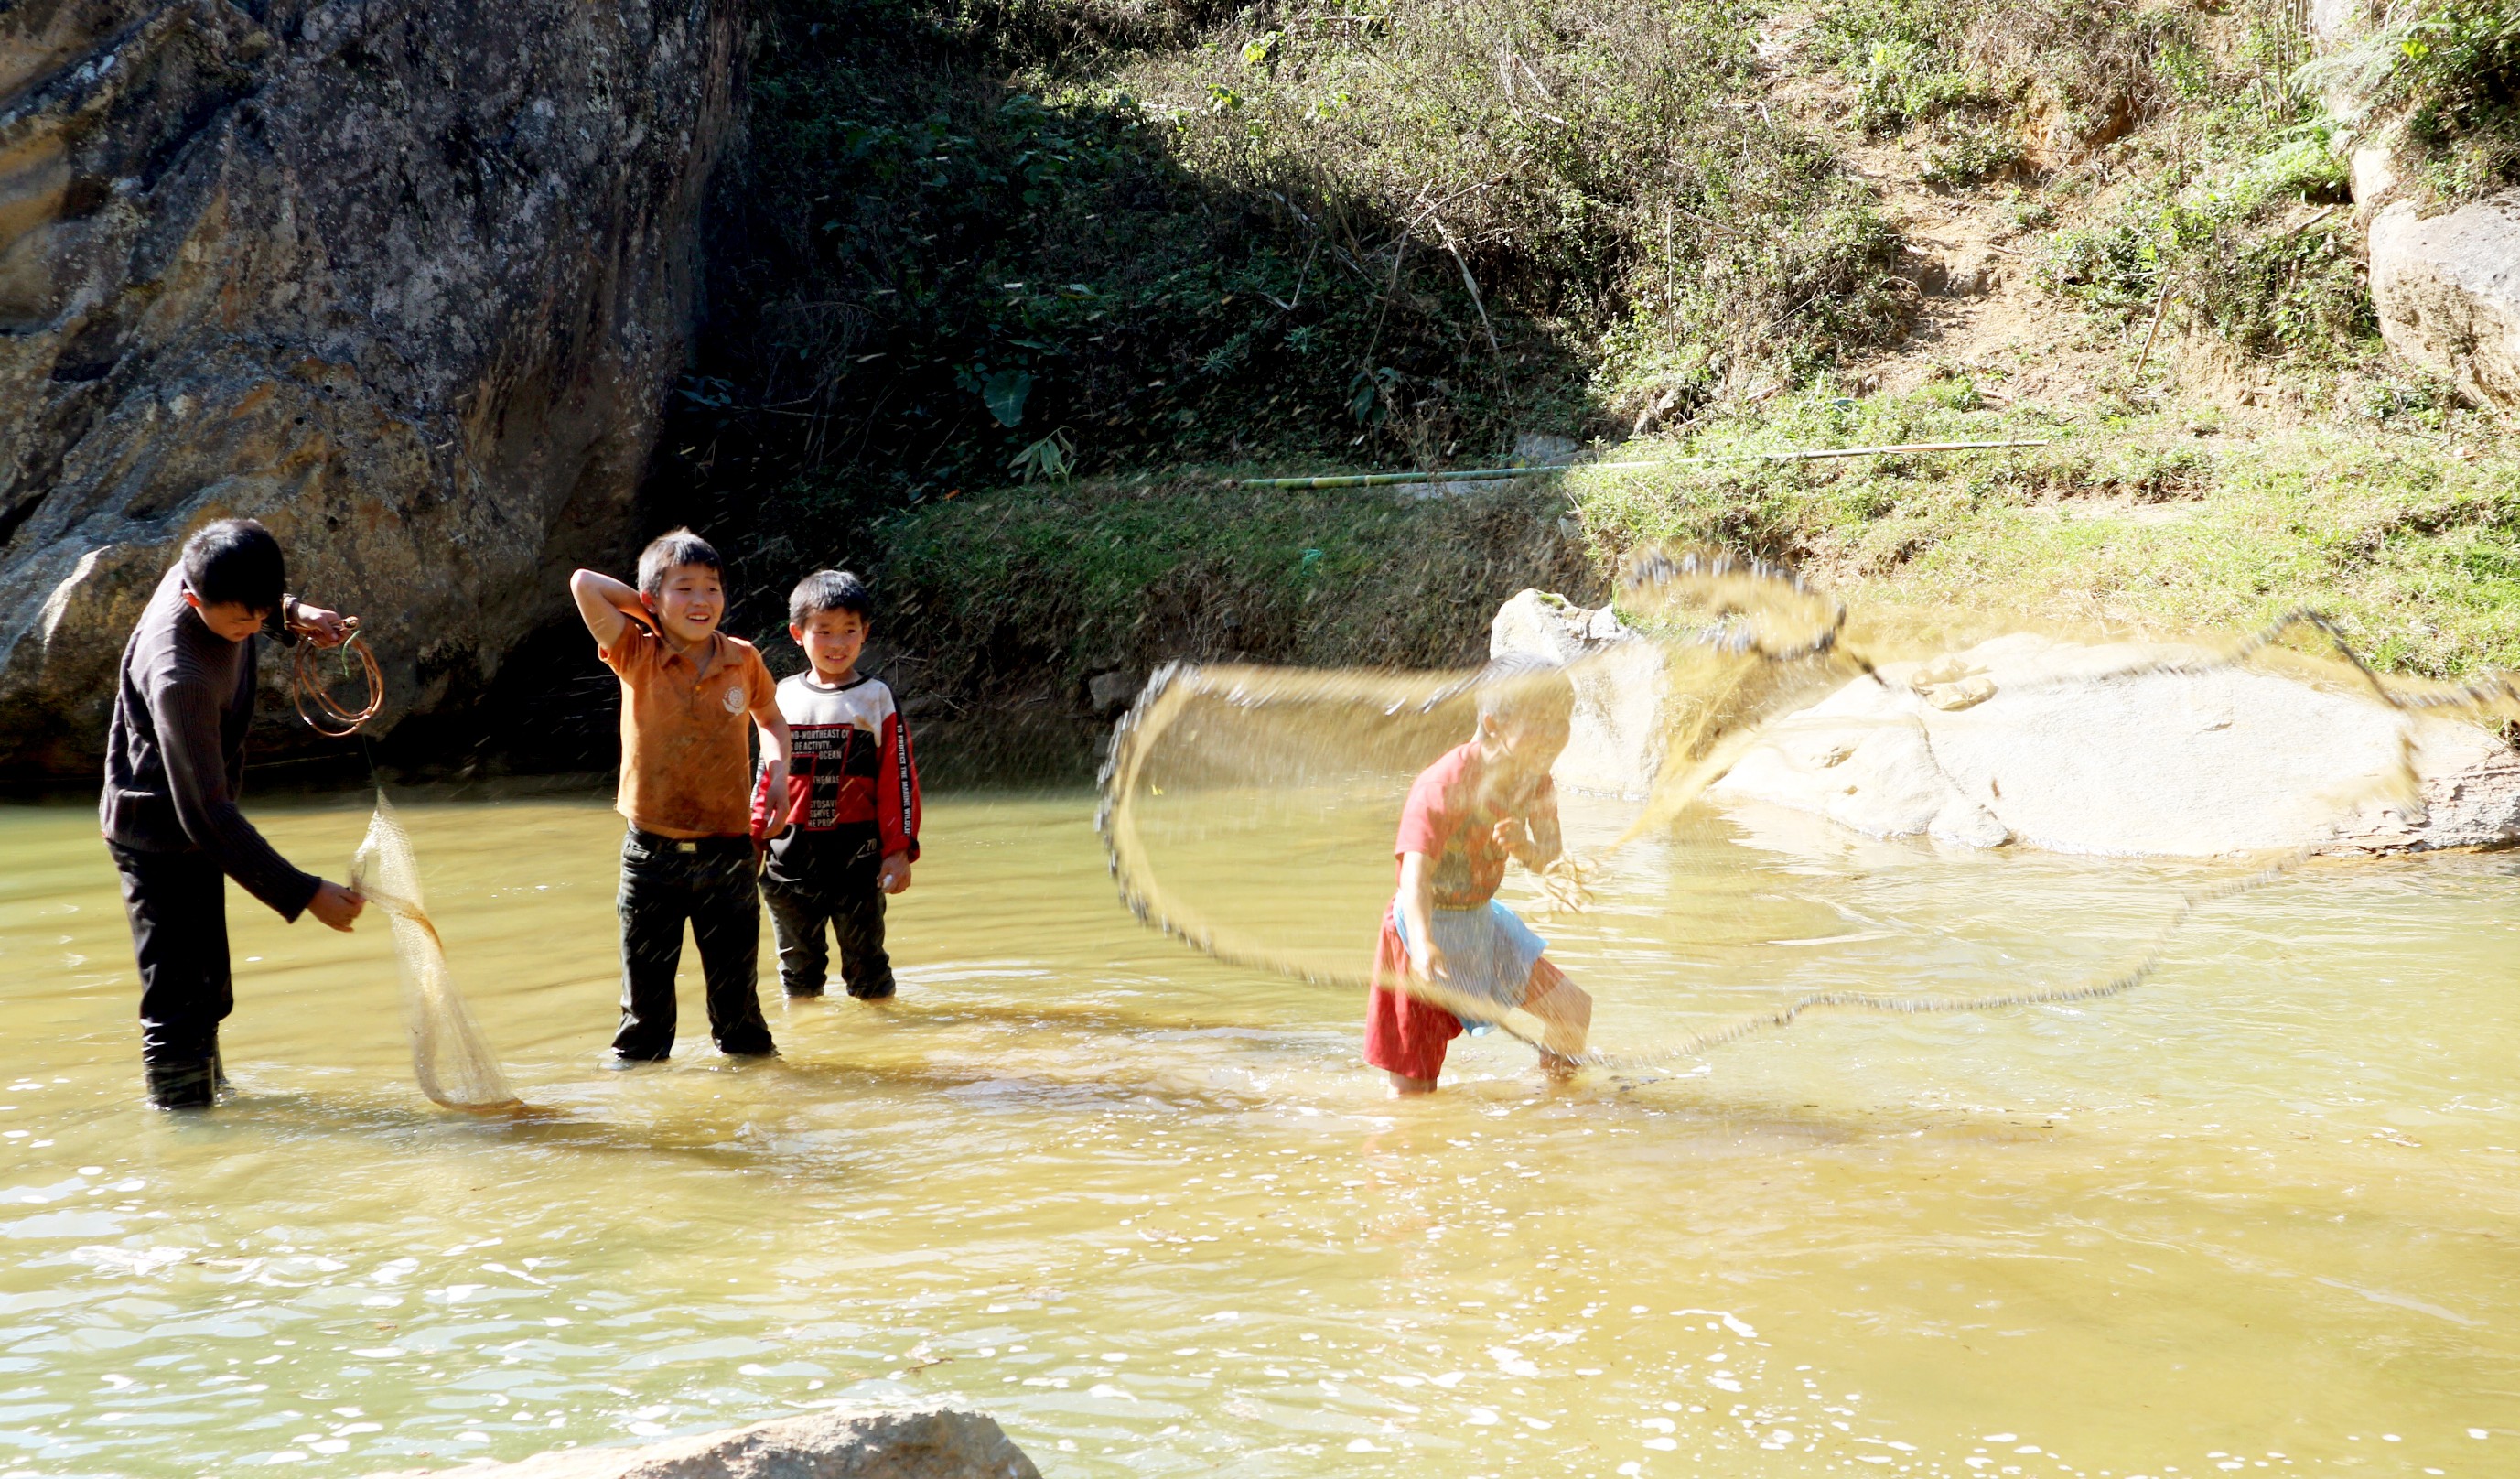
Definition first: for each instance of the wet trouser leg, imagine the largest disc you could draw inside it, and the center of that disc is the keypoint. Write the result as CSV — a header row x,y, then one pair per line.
x,y
796,920
177,904
709,883
828,877
857,923
726,924
655,903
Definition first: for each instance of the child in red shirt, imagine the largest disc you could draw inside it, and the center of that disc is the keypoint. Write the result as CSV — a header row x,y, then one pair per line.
x,y
1445,938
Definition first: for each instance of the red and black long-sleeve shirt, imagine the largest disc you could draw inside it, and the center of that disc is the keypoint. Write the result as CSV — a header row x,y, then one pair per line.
x,y
851,763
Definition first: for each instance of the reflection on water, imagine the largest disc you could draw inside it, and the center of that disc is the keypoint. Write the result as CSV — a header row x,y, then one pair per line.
x,y
1153,1213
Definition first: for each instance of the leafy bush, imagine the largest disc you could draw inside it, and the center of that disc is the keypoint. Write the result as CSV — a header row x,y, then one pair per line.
x,y
1404,230
2068,74
1598,168
2257,251
924,271
1970,155
2451,70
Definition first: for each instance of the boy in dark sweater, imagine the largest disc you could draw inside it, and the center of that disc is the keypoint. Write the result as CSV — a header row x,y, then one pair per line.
x,y
849,804
174,761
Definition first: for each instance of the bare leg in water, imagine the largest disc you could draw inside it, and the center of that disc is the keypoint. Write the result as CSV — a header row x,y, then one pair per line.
x,y
1565,1011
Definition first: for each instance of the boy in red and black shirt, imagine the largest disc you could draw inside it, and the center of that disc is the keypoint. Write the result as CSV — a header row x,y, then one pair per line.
x,y
1453,955
850,799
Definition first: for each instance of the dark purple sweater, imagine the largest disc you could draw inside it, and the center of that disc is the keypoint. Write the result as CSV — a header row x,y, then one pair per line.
x,y
175,758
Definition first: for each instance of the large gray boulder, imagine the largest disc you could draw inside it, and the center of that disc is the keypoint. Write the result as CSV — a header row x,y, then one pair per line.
x,y
2445,286
904,1443
2446,289
2128,750
405,279
1616,746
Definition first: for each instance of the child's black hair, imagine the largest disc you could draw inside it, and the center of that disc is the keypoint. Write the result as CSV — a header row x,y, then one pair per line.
x,y
1514,688
829,590
669,551
235,561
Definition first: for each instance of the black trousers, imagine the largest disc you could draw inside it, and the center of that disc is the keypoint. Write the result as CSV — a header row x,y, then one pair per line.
x,y
178,906
828,878
707,883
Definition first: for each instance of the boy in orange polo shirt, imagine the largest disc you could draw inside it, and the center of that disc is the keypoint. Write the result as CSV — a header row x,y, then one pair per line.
x,y
688,692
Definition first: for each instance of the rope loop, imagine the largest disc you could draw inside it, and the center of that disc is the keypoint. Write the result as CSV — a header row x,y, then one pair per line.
x,y
325,714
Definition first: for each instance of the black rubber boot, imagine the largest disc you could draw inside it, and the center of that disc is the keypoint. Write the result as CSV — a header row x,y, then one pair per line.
x,y
189,1084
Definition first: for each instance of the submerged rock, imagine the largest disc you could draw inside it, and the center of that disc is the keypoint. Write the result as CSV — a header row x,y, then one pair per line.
x,y
405,279
907,1443
2097,750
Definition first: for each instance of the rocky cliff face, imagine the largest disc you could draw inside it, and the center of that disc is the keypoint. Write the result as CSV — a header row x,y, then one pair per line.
x,y
404,279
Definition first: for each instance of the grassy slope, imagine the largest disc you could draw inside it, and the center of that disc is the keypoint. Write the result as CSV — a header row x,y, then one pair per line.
x,y
2134,520
2135,159
1024,587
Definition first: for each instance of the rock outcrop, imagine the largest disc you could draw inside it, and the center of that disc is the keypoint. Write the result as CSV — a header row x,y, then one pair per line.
x,y
2445,286
908,1442
405,279
1616,745
2446,289
2114,749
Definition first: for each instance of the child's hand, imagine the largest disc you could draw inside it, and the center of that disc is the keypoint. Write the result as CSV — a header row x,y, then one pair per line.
x,y
1427,962
1509,835
776,827
326,629
336,906
894,877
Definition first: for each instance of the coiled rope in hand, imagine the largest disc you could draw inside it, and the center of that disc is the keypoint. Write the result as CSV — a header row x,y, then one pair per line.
x,y
325,714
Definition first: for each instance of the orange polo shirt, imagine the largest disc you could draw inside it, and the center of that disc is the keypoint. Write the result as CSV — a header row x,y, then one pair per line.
x,y
686,758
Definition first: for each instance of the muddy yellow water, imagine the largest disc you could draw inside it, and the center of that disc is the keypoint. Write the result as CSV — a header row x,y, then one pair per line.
x,y
2263,1213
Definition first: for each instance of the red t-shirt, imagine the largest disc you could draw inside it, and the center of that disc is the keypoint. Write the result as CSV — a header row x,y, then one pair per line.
x,y
1447,819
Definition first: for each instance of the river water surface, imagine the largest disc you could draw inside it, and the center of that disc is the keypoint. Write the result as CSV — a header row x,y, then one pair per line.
x,y
2262,1213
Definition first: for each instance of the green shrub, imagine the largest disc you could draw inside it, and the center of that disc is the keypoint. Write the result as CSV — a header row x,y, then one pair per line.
x,y
2077,74
2451,70
1596,168
1970,155
1402,231
2245,246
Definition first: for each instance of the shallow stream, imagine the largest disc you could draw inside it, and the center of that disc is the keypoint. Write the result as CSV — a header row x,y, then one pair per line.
x,y
2263,1213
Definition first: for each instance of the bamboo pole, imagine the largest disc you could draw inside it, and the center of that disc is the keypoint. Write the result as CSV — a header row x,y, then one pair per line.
x,y
1498,475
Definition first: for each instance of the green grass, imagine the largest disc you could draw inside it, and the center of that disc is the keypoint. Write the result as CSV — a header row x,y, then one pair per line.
x,y
1025,587
2412,539
2408,530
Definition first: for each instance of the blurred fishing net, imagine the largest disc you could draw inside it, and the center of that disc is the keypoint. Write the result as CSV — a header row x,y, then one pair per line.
x,y
1251,812
448,1055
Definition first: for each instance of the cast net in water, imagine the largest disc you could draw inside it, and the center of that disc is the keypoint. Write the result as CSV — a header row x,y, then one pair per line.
x,y
454,1065
1249,811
